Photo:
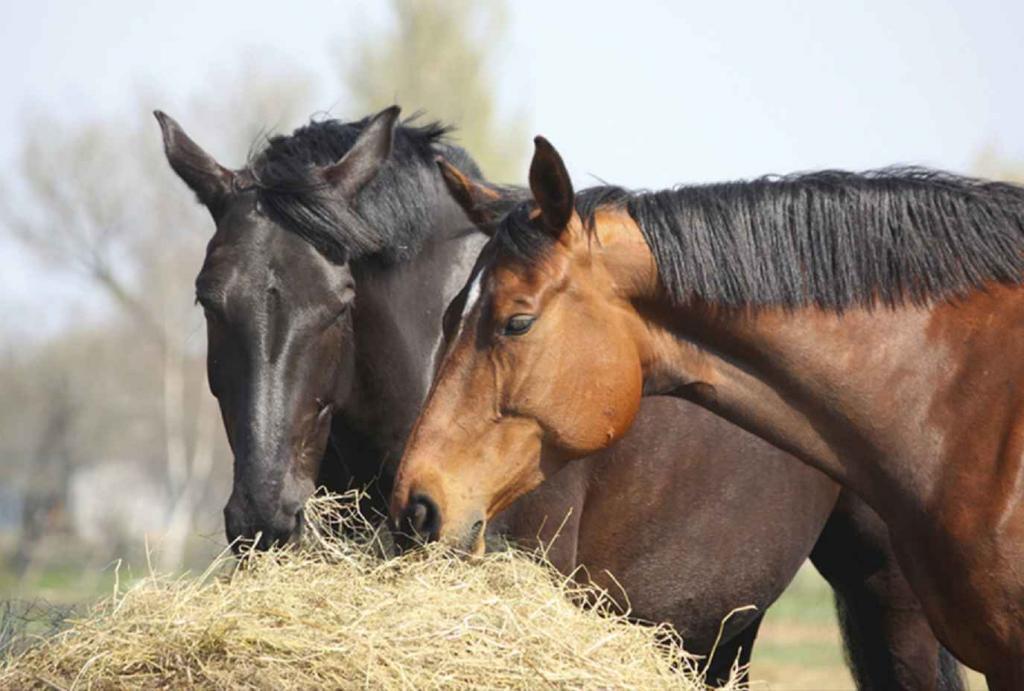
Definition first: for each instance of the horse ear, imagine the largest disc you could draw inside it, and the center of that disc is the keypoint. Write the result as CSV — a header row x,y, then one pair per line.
x,y
211,181
369,152
475,198
551,186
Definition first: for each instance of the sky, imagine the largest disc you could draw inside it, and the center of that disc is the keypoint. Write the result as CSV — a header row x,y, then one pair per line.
x,y
643,94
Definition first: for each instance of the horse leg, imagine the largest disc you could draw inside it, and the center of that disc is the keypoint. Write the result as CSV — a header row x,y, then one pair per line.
x,y
889,643
736,651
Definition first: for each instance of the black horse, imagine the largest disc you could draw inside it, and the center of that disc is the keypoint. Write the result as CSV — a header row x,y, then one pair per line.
x,y
336,252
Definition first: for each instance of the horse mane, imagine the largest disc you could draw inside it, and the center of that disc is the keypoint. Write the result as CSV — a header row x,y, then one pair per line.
x,y
390,216
833,239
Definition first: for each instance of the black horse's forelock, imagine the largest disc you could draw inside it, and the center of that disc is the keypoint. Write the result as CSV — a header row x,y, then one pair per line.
x,y
390,214
832,239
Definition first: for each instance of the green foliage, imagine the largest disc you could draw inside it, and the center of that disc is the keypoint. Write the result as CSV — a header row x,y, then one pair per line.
x,y
438,57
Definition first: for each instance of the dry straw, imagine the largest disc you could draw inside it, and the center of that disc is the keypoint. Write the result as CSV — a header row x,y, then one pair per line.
x,y
338,615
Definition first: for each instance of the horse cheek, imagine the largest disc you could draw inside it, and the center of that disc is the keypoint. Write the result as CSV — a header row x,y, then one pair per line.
x,y
618,399
624,404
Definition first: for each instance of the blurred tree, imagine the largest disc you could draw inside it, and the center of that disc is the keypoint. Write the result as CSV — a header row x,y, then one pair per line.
x,y
99,201
44,497
990,163
438,57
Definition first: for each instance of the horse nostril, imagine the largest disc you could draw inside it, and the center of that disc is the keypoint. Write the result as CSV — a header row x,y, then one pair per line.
x,y
419,516
423,517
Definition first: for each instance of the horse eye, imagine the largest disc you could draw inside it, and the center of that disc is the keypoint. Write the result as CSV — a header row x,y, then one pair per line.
x,y
518,324
210,308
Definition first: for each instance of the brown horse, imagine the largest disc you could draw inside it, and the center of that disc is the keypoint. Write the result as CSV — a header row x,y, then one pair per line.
x,y
869,324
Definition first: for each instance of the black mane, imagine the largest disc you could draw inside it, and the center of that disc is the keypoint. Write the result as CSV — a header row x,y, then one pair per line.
x,y
390,214
832,239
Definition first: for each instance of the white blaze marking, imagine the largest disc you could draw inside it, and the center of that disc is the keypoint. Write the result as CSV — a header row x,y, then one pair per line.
x,y
455,280
473,296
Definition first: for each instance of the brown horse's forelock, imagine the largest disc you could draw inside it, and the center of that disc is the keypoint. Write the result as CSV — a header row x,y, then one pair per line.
x,y
832,239
522,237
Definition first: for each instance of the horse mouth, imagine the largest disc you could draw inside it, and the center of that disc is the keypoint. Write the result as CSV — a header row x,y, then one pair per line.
x,y
268,539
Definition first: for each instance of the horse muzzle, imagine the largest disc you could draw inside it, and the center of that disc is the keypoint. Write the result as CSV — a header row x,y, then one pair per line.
x,y
252,529
422,521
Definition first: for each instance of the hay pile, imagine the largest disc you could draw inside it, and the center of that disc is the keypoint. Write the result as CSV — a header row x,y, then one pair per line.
x,y
337,615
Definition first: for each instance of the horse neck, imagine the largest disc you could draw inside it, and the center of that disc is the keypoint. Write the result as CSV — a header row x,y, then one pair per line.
x,y
397,327
874,398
